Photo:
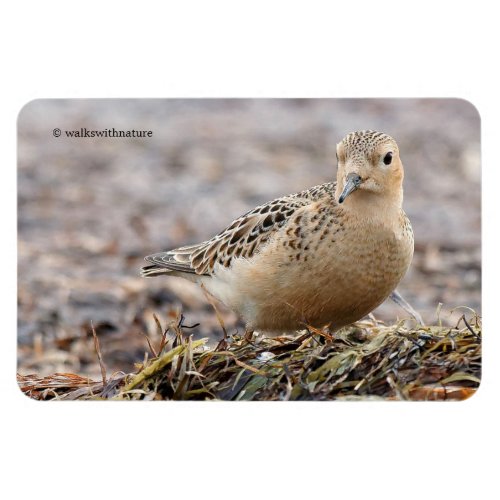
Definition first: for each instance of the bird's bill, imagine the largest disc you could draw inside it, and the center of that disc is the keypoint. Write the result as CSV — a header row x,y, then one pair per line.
x,y
352,183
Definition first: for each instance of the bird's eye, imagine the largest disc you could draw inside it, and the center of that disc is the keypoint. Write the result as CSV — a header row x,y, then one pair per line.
x,y
388,158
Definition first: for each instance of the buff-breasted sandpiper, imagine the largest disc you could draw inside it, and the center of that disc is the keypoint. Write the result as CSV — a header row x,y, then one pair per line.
x,y
325,256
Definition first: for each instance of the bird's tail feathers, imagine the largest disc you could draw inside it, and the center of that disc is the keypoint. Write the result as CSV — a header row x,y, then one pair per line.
x,y
176,261
154,270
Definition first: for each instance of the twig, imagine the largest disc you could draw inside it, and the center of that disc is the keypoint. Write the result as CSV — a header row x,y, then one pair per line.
x,y
99,356
182,325
159,364
163,335
212,303
470,328
151,348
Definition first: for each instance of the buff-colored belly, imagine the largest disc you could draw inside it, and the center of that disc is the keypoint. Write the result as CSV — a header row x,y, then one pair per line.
x,y
339,282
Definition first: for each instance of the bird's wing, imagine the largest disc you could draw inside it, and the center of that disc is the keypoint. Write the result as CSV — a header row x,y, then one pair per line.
x,y
240,240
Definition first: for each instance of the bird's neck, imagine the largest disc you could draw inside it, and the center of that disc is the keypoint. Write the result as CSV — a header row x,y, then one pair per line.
x,y
384,208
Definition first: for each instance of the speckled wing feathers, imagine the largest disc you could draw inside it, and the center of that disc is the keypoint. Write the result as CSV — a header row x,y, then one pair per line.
x,y
241,239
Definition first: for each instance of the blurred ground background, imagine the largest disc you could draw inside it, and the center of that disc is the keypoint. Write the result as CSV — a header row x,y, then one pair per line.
x,y
89,209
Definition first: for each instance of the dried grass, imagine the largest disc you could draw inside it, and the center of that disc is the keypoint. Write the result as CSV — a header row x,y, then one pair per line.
x,y
368,360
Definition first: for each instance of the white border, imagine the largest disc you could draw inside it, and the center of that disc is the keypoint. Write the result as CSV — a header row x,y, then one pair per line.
x,y
257,49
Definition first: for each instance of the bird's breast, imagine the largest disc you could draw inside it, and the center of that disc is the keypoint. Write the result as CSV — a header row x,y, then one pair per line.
x,y
334,275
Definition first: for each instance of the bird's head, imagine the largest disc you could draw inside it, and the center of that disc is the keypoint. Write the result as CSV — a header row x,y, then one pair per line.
x,y
369,163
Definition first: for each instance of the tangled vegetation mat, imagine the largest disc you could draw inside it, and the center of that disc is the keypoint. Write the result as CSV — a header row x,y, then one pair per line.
x,y
368,360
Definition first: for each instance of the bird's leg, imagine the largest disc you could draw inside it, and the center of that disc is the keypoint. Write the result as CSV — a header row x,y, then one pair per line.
x,y
401,302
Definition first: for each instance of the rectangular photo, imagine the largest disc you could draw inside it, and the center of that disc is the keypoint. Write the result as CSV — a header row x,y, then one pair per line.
x,y
249,249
